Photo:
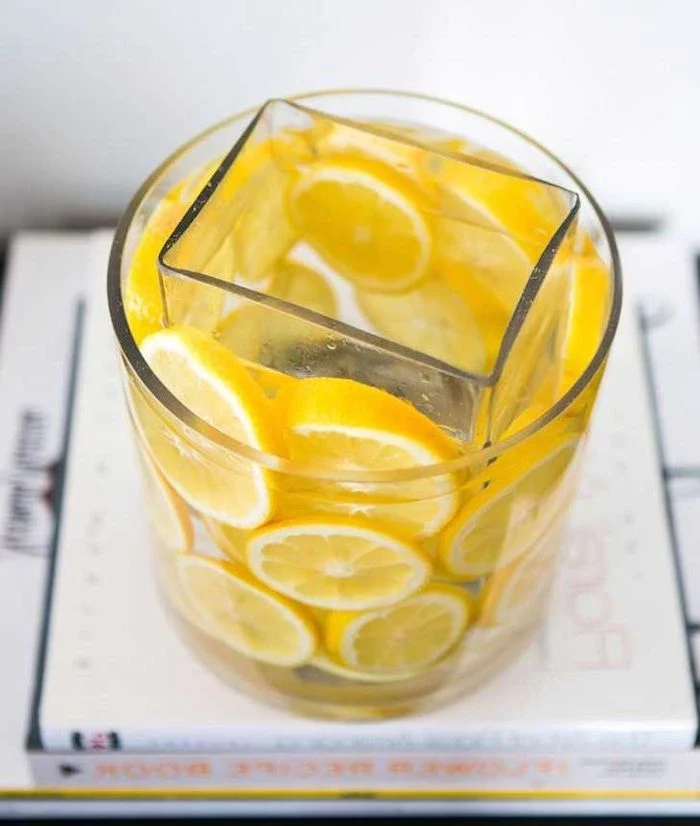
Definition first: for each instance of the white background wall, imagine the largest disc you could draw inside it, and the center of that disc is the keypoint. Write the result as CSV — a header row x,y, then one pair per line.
x,y
94,92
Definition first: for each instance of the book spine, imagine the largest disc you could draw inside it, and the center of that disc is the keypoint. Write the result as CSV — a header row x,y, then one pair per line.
x,y
429,774
331,738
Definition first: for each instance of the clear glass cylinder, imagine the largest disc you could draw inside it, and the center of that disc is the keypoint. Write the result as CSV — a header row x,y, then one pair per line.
x,y
479,529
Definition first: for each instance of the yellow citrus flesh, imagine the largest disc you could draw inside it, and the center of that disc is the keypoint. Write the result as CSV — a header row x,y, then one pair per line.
x,y
500,521
254,332
348,426
323,662
407,637
230,541
208,380
341,140
532,369
243,229
427,137
516,591
432,318
589,306
490,312
338,564
270,381
143,304
366,220
187,300
244,614
263,233
496,223
241,232
167,512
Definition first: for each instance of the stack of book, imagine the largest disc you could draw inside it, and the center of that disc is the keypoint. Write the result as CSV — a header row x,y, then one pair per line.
x,y
106,697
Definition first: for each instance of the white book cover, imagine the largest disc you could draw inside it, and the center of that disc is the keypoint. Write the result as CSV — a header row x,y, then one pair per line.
x,y
44,280
29,378
609,670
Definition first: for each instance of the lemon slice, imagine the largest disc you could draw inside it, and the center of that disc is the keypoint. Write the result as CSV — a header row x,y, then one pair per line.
x,y
489,311
532,370
241,231
323,662
339,139
245,615
299,284
244,227
494,224
589,307
143,304
166,510
431,318
191,186
263,232
337,564
517,591
428,137
230,541
212,383
500,521
402,638
270,381
366,221
254,332
349,426
402,146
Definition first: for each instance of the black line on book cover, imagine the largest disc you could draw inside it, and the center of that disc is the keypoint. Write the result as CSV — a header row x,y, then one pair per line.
x,y
34,741
682,472
697,283
675,552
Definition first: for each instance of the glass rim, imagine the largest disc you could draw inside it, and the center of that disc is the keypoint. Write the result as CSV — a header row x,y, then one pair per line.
x,y
468,456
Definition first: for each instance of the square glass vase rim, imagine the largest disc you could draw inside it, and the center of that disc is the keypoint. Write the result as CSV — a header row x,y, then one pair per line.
x,y
421,360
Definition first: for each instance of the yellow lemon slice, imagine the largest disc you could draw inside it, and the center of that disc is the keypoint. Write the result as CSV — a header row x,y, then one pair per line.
x,y
262,232
532,370
167,512
243,229
495,225
299,284
142,291
191,186
431,318
589,307
517,591
142,295
402,146
428,137
489,311
270,381
214,385
253,332
336,564
349,426
245,614
366,220
323,662
230,541
407,637
500,521
338,139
